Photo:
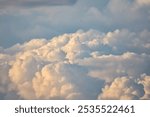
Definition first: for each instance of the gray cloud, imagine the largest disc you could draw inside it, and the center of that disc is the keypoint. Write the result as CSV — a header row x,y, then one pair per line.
x,y
46,22
34,3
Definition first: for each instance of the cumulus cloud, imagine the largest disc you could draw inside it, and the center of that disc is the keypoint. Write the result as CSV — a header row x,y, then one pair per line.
x,y
80,65
122,88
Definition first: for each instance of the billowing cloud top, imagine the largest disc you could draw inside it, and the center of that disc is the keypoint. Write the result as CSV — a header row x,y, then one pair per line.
x,y
80,65
97,49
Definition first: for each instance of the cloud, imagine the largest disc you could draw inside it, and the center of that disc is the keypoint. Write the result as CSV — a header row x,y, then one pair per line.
x,y
128,41
36,19
4,67
108,67
143,2
122,88
81,65
145,80
35,3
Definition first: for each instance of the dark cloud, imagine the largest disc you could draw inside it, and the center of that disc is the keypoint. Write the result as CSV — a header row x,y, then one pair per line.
x,y
35,3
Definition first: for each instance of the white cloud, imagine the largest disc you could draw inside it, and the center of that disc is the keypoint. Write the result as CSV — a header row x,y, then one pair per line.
x,y
122,88
77,66
51,83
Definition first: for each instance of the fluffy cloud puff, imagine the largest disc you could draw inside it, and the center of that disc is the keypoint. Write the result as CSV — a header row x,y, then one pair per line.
x,y
122,88
81,65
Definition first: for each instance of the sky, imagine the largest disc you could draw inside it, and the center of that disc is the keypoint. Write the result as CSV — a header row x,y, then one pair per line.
x,y
74,49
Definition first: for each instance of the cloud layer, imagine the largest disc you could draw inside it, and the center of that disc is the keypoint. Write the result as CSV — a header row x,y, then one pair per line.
x,y
34,3
81,65
49,18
